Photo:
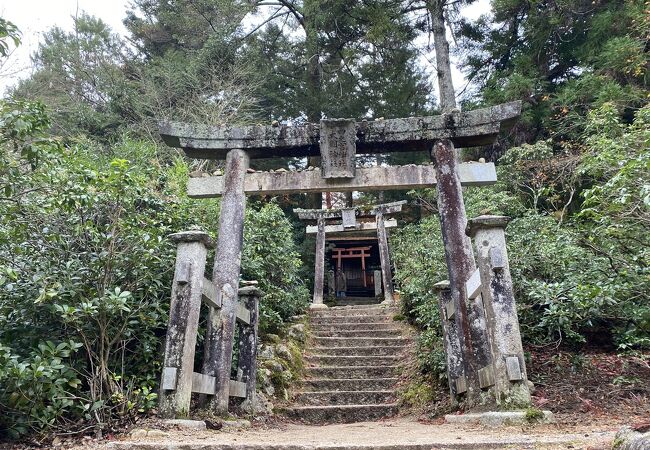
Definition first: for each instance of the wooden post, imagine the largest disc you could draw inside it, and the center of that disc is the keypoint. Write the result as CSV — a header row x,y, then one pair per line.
x,y
453,351
319,266
509,381
249,296
178,365
470,317
221,324
384,256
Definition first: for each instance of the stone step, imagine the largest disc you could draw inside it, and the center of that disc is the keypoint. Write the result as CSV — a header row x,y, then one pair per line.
x,y
373,306
341,413
345,398
390,332
349,384
328,360
351,319
352,372
349,326
380,350
358,341
350,311
357,301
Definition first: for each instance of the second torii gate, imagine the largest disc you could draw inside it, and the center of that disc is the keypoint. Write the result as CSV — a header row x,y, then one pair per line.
x,y
349,216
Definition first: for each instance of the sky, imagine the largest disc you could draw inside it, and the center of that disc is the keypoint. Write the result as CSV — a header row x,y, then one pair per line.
x,y
34,17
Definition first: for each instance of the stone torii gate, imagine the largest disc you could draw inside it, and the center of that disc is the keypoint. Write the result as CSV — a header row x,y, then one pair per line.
x,y
348,217
338,141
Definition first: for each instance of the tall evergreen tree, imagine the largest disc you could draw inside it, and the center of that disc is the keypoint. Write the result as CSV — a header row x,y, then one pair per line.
x,y
563,58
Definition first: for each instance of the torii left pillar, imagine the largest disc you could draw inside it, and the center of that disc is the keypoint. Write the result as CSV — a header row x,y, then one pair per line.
x,y
227,264
319,266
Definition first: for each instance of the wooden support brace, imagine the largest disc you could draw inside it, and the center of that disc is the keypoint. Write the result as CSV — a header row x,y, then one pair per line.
x,y
461,384
237,389
243,314
203,384
210,294
450,310
513,368
486,376
473,285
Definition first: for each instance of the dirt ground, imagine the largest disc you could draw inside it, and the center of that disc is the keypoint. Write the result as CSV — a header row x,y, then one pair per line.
x,y
403,433
592,394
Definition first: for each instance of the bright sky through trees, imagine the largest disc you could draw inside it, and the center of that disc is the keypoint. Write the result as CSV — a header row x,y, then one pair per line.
x,y
34,17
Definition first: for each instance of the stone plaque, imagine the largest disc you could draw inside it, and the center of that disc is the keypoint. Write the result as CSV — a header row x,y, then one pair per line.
x,y
349,218
338,148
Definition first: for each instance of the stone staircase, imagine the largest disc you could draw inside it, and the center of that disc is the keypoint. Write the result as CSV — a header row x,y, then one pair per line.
x,y
357,301
352,365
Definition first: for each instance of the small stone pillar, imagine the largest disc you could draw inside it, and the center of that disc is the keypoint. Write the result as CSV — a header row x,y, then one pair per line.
x,y
510,383
319,266
178,365
451,341
377,279
384,256
221,323
249,296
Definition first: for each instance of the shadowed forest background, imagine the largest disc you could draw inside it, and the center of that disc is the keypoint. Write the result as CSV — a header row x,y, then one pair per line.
x,y
88,192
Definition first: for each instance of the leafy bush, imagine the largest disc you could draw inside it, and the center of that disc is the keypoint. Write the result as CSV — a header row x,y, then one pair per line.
x,y
85,273
581,276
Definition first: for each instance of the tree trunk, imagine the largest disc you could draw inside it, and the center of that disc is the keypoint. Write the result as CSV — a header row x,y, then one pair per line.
x,y
443,65
453,218
313,82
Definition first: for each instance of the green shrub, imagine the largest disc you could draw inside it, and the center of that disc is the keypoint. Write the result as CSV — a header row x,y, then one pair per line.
x,y
86,271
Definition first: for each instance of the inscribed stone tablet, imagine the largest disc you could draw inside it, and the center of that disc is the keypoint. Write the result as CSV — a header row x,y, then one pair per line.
x,y
337,148
349,218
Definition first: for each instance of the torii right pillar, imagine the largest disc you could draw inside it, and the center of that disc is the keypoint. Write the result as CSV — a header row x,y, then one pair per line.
x,y
469,316
384,256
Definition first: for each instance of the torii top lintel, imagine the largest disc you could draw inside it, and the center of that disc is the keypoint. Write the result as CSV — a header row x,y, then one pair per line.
x,y
465,129
385,209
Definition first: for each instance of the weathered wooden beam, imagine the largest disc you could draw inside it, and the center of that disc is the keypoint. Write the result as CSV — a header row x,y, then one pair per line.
x,y
366,179
464,129
206,384
237,389
360,212
361,226
210,294
460,265
243,314
203,384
